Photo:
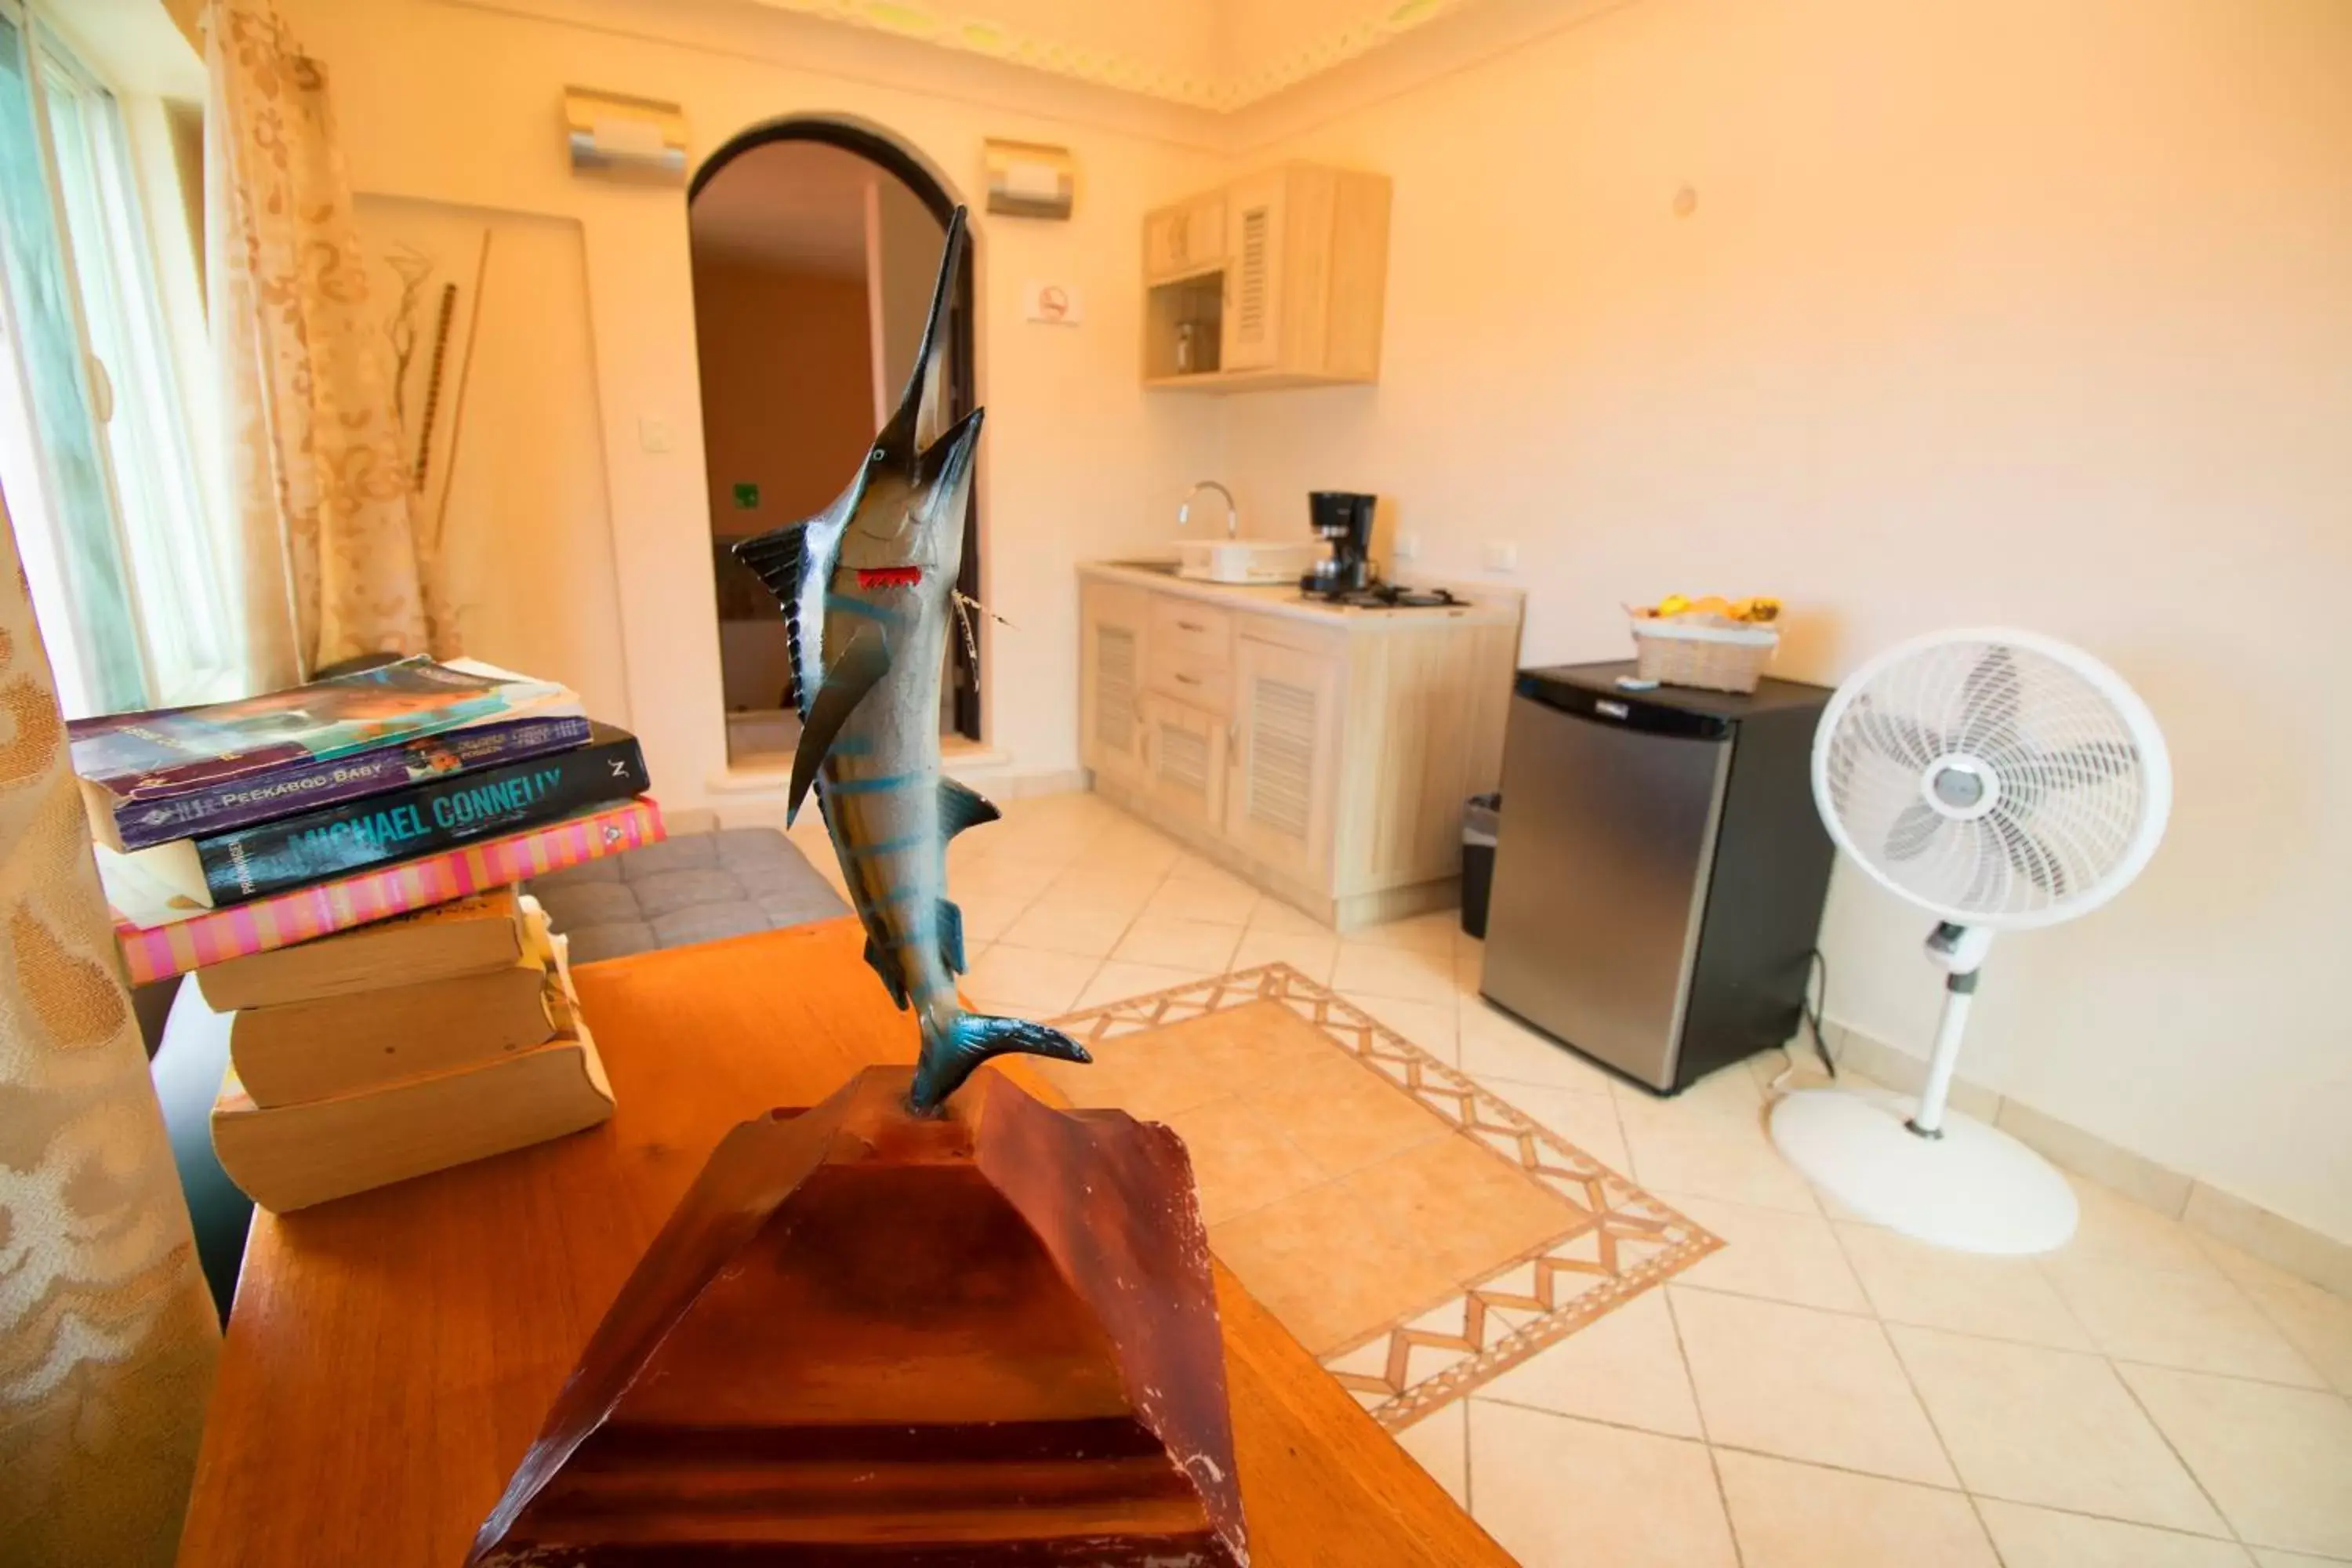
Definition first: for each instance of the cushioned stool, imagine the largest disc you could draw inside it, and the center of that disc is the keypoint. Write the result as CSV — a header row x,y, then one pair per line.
x,y
696,887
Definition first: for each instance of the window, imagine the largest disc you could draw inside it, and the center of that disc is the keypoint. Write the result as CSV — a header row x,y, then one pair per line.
x,y
129,575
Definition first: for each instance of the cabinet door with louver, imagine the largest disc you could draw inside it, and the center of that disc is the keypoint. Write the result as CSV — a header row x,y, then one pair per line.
x,y
1252,339
1186,750
1110,682
1285,724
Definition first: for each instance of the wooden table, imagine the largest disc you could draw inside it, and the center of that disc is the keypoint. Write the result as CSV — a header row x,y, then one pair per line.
x,y
391,1355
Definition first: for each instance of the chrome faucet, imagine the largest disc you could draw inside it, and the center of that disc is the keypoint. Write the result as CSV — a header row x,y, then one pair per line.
x,y
1233,513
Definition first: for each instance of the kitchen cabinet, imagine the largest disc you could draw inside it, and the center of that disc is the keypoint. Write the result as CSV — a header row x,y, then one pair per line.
x,y
1284,701
1252,338
1322,753
1185,238
1110,683
1283,286
1184,748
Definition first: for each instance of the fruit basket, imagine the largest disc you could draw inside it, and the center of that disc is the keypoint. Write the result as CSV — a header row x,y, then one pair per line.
x,y
1713,643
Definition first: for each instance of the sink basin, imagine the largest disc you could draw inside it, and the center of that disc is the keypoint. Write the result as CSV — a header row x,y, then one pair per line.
x,y
1262,561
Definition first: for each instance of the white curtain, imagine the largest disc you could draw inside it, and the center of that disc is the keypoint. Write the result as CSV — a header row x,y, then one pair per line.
x,y
107,1332
335,563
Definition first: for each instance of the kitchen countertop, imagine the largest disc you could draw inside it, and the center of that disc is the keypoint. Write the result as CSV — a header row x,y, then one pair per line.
x,y
1490,605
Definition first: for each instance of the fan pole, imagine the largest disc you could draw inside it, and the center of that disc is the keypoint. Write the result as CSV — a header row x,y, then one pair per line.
x,y
1960,991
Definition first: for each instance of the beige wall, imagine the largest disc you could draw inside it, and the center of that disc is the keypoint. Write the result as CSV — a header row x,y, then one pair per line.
x,y
1990,311
786,378
1994,311
459,104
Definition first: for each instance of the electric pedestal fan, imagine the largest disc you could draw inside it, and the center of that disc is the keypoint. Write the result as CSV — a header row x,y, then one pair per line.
x,y
2000,781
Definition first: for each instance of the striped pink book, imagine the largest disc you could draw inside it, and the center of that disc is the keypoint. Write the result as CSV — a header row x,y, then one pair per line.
x,y
159,951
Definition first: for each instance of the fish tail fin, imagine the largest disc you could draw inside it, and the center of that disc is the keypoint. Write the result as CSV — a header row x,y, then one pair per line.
x,y
951,1051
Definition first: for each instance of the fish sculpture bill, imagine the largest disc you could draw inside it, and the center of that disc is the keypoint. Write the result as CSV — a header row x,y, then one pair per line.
x,y
867,589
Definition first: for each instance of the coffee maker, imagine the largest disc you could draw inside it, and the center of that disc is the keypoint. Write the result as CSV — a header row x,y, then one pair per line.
x,y
1344,519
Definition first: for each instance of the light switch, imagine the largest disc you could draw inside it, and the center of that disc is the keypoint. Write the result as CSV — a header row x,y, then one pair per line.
x,y
653,433
1408,547
1502,555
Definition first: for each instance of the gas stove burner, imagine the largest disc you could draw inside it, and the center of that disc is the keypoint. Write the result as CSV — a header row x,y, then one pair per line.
x,y
1388,597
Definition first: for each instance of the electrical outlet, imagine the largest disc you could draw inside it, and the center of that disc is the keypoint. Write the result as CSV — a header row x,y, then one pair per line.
x,y
1502,555
1408,547
653,433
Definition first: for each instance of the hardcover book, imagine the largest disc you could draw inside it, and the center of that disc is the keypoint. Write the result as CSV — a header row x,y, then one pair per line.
x,y
225,868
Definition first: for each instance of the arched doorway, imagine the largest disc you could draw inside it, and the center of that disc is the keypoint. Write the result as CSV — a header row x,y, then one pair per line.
x,y
814,246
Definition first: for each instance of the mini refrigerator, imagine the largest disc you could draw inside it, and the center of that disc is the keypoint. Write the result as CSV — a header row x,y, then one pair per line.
x,y
1659,869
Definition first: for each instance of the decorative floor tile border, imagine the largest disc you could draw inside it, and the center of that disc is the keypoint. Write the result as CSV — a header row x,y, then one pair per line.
x,y
1626,1243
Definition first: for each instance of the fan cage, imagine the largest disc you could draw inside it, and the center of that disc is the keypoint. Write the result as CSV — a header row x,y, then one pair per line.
x,y
2078,780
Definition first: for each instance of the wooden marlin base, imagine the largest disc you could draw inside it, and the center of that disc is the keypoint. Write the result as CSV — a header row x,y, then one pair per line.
x,y
980,1340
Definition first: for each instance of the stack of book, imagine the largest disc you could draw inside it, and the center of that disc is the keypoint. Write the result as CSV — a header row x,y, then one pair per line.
x,y
398,1049
281,845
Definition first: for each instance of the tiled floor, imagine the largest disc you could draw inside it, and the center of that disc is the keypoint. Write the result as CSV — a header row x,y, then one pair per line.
x,y
1818,1392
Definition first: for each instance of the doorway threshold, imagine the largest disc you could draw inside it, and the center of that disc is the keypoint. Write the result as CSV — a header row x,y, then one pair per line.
x,y
763,775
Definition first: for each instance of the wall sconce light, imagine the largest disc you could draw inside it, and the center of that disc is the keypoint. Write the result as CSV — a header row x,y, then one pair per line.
x,y
631,138
1029,179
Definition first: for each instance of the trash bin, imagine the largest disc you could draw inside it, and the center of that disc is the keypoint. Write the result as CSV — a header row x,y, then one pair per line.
x,y
1480,818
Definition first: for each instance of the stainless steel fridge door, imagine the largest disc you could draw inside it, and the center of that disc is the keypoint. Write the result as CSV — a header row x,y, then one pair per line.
x,y
1601,874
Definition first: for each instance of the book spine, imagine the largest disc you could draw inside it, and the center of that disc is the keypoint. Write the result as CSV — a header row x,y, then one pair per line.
x,y
419,820
158,952
310,785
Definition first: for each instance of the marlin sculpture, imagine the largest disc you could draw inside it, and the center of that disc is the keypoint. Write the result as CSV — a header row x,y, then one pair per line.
x,y
867,588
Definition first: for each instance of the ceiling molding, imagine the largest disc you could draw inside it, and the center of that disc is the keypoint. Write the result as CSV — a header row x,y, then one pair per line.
x,y
770,34
848,39
1210,85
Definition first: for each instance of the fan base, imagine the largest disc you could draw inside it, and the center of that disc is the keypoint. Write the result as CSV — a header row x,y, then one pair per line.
x,y
1974,1189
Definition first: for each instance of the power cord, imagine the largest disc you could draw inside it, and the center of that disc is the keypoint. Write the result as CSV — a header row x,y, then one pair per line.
x,y
1809,1011
1813,1016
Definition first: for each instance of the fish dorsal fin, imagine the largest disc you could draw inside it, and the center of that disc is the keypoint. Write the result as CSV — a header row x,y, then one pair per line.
x,y
780,560
915,423
961,806
951,936
778,556
865,661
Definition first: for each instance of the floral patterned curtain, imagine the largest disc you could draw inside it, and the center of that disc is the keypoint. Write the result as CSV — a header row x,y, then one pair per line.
x,y
107,1332
336,563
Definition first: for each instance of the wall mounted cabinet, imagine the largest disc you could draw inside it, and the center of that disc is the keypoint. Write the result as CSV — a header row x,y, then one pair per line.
x,y
1184,239
1276,280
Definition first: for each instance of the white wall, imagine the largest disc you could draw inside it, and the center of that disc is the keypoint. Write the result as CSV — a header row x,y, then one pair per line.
x,y
1989,310
515,485
450,103
902,269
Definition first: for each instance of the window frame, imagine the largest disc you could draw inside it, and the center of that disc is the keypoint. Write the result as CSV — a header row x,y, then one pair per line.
x,y
173,575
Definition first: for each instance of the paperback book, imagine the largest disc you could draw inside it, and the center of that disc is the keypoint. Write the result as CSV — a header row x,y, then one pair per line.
x,y
224,869
162,936
169,753
143,821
